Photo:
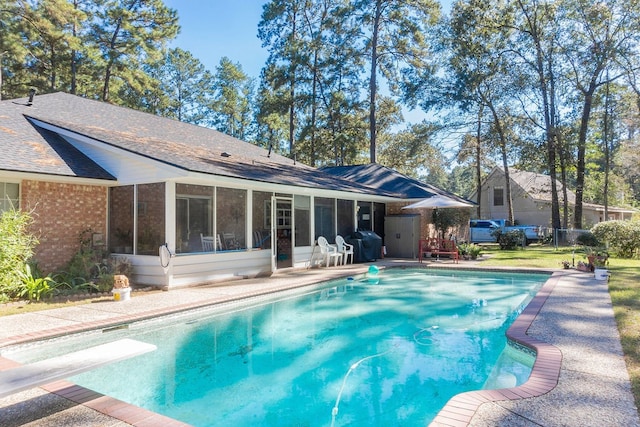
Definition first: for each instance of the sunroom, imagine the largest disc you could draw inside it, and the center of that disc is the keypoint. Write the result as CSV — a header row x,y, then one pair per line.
x,y
179,233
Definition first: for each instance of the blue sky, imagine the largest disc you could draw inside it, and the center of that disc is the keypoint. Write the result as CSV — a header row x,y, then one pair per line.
x,y
212,29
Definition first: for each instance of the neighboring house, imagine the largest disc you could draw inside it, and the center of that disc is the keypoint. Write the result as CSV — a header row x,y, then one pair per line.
x,y
225,208
531,198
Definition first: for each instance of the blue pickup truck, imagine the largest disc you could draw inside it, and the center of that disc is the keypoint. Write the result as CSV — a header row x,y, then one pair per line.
x,y
485,230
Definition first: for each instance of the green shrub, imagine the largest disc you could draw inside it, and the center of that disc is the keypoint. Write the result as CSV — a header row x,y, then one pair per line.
x,y
16,249
511,239
86,265
622,237
470,250
588,239
104,282
91,269
35,288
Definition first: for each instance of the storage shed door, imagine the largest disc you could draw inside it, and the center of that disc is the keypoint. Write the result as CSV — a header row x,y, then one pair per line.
x,y
401,235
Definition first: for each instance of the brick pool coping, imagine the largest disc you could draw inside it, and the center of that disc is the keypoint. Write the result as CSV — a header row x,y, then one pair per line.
x,y
544,375
458,411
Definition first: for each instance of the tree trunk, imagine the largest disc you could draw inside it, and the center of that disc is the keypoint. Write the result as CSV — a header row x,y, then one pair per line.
x,y
372,81
580,164
292,88
607,166
314,107
112,48
478,165
74,55
505,164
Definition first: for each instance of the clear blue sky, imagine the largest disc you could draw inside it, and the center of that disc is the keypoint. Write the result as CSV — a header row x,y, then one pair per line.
x,y
212,29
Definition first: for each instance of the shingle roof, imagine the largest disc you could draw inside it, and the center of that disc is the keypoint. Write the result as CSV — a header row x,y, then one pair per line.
x,y
386,179
27,148
538,186
186,146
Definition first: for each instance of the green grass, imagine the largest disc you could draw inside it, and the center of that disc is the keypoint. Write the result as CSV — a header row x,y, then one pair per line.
x,y
624,288
534,256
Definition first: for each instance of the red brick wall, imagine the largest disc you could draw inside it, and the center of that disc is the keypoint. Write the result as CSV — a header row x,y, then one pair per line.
x,y
61,212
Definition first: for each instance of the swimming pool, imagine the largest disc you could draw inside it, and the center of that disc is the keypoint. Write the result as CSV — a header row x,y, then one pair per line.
x,y
386,351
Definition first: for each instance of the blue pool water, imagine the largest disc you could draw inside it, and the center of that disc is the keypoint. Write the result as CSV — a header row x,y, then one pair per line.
x,y
374,351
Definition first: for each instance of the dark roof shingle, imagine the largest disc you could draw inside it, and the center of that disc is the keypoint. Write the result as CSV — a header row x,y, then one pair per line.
x,y
186,146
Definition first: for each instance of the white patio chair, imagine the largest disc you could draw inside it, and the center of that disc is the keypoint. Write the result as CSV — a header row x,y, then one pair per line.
x,y
328,251
345,249
207,243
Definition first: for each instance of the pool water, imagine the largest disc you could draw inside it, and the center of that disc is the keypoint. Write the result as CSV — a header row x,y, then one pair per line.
x,y
382,350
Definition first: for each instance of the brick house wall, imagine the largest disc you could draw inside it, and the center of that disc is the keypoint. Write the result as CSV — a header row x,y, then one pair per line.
x,y
61,212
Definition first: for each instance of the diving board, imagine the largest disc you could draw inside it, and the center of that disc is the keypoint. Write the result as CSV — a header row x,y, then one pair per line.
x,y
47,371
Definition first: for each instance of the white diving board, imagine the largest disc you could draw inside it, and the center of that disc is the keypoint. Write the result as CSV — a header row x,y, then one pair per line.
x,y
47,371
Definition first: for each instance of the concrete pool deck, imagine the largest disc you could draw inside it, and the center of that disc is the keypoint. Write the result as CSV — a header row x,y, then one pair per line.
x,y
573,324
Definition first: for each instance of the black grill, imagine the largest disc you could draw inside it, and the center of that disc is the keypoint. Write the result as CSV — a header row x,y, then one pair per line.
x,y
366,246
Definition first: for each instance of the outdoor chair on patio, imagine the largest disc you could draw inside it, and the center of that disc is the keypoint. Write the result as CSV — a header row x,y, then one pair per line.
x,y
345,249
230,241
207,243
328,251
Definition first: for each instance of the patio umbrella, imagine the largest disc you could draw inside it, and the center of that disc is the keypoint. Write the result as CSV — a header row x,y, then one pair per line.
x,y
439,201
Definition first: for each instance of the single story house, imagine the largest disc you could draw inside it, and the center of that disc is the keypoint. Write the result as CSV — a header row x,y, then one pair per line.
x,y
531,199
185,204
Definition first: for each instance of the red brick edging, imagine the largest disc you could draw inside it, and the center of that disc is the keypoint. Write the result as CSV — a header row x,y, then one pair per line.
x,y
544,375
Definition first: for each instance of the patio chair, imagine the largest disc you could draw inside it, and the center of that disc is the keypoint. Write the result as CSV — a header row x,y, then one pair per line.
x,y
207,243
230,242
328,251
259,239
345,249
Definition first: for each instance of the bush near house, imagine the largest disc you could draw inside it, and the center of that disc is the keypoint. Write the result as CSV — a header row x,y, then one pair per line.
x,y
621,237
16,250
588,239
511,239
90,270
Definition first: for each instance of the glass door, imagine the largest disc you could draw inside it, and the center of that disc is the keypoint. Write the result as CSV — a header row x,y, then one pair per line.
x,y
282,232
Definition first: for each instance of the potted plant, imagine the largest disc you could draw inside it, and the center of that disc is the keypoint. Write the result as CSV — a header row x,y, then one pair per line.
x,y
582,266
474,251
463,250
469,250
601,258
597,257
